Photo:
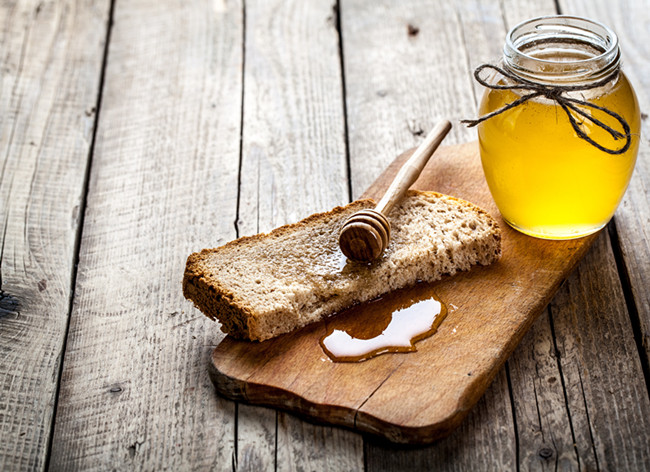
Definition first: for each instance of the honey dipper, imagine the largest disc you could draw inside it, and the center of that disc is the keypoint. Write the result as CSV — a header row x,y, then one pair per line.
x,y
365,234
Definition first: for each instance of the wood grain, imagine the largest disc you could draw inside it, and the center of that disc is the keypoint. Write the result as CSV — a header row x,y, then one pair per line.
x,y
51,66
606,394
545,434
293,164
256,438
543,425
572,374
305,446
477,444
461,35
490,310
630,19
400,81
551,418
134,392
120,407
293,149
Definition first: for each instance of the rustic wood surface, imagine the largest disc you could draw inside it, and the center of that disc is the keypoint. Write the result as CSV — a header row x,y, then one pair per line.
x,y
52,55
202,121
293,163
167,145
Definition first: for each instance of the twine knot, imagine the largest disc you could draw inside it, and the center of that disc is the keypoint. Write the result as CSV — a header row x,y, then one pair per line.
x,y
557,94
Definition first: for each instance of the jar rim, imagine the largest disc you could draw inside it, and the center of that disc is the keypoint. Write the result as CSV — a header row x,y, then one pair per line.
x,y
562,28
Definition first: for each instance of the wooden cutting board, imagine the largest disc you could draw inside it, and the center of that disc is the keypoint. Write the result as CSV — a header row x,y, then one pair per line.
x,y
420,396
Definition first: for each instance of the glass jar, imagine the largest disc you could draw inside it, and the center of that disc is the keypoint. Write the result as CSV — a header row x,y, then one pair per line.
x,y
546,179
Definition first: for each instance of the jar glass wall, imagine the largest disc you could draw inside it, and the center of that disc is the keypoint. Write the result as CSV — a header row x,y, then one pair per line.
x,y
547,180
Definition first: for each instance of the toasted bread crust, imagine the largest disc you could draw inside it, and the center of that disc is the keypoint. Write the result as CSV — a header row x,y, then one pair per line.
x,y
216,301
209,282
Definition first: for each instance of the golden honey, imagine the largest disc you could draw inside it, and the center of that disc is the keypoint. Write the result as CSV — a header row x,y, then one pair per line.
x,y
391,323
545,179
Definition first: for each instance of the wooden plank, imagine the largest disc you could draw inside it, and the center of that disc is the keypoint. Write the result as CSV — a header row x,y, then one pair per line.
x,y
548,420
293,156
410,82
304,446
629,19
256,438
293,164
476,445
401,77
547,426
51,66
606,393
544,431
135,394
516,11
543,426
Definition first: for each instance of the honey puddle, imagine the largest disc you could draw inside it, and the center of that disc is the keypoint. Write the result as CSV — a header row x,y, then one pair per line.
x,y
392,323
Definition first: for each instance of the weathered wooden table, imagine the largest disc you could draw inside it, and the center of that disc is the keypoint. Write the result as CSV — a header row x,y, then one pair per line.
x,y
135,132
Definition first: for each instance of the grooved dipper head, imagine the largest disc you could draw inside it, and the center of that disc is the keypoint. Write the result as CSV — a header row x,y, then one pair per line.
x,y
364,235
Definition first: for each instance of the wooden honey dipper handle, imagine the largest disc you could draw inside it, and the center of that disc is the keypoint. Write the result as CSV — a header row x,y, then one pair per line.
x,y
412,168
365,234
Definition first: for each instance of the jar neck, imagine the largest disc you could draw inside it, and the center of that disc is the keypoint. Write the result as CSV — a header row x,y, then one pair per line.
x,y
561,50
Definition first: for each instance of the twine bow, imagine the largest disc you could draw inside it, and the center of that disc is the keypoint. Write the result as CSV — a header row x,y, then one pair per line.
x,y
557,94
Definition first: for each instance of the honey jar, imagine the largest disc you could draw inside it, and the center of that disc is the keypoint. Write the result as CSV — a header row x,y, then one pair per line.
x,y
558,128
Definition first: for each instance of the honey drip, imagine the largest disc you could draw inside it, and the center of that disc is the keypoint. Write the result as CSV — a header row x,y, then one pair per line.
x,y
392,323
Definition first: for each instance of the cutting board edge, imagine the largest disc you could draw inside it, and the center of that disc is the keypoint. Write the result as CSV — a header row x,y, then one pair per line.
x,y
327,414
271,396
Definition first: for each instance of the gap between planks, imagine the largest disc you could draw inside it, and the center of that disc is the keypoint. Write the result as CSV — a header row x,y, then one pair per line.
x,y
80,225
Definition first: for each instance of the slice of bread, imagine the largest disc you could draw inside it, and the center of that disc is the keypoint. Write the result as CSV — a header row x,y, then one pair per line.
x,y
264,285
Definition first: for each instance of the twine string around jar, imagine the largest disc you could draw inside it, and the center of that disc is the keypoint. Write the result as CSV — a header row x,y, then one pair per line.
x,y
557,94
